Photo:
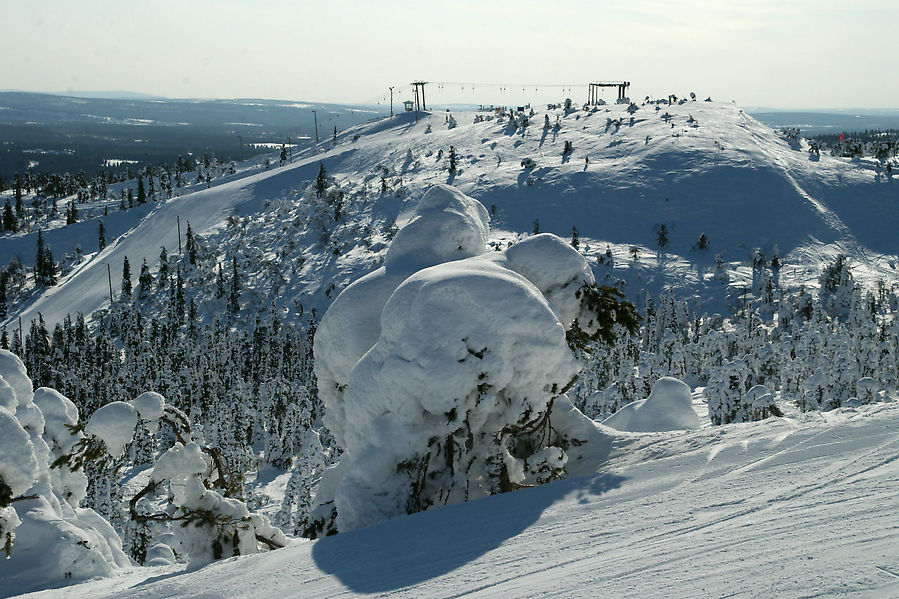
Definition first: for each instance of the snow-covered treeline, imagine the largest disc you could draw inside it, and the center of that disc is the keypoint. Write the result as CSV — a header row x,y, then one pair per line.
x,y
817,351
241,372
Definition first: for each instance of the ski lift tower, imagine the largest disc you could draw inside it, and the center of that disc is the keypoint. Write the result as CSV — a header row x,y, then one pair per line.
x,y
419,95
593,90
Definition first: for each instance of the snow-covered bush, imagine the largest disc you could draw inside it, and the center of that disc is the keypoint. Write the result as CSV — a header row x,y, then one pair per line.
x,y
445,393
867,389
46,536
669,407
758,404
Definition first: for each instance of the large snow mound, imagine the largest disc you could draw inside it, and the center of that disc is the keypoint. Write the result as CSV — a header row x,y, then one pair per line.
x,y
669,407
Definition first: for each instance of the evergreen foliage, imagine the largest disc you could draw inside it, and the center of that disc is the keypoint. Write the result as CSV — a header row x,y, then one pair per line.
x,y
321,181
126,278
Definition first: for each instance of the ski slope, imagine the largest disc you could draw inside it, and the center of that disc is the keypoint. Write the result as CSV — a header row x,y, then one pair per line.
x,y
87,288
792,507
697,167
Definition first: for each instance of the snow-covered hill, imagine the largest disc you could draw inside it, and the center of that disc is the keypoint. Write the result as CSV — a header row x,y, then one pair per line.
x,y
798,507
696,167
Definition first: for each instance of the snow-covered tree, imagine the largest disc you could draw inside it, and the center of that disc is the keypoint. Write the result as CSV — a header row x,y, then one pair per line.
x,y
467,411
47,537
213,523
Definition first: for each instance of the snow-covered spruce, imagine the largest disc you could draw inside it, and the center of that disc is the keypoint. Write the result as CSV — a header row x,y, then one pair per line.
x,y
446,225
453,399
213,523
47,537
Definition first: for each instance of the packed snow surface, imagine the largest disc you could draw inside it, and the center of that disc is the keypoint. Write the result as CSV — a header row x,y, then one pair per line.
x,y
784,507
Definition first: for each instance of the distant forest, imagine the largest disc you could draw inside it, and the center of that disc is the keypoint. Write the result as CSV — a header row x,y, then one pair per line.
x,y
59,134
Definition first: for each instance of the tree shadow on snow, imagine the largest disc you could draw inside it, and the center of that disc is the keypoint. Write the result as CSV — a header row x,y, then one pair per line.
x,y
410,550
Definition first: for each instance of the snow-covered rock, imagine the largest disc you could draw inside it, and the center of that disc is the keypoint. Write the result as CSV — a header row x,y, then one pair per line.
x,y
669,407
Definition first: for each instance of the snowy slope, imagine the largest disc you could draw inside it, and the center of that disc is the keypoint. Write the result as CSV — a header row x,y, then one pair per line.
x,y
87,288
696,167
786,507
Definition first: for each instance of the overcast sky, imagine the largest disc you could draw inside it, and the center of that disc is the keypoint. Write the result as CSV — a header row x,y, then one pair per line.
x,y
778,53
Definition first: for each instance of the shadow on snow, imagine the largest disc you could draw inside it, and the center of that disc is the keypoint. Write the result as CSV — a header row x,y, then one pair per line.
x,y
409,550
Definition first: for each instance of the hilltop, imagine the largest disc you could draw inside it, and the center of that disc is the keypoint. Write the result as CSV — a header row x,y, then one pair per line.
x,y
696,167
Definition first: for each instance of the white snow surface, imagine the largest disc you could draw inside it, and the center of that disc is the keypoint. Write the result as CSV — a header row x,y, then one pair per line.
x,y
669,407
802,507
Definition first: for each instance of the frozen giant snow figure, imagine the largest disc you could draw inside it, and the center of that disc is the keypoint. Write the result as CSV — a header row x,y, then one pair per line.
x,y
446,225
439,372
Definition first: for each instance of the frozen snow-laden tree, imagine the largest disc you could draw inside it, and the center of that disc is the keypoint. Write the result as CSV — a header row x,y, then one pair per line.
x,y
725,393
446,225
453,399
837,288
47,537
213,522
297,503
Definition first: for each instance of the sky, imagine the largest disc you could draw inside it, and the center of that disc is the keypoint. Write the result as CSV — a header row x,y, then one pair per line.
x,y
771,53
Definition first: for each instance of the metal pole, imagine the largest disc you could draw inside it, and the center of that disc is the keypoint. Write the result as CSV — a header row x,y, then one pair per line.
x,y
315,116
109,276
391,100
424,105
179,233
